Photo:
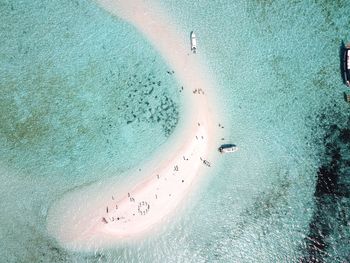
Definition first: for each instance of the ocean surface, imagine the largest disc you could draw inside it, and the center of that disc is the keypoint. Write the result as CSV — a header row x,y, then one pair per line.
x,y
84,96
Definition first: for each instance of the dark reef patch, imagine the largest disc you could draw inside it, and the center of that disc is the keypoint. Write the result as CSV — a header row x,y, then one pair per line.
x,y
72,96
266,210
48,250
329,234
146,99
44,116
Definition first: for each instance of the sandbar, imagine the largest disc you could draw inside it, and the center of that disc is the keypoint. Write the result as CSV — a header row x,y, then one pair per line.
x,y
102,214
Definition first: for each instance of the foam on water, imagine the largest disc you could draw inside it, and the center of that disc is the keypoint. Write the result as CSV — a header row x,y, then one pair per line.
x,y
277,68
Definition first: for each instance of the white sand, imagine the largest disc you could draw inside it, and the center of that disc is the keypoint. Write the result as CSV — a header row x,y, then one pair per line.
x,y
80,220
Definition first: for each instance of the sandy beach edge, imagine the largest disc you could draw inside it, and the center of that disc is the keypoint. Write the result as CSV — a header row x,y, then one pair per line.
x,y
68,213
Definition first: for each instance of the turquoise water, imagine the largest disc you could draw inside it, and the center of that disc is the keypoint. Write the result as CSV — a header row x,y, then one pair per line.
x,y
84,96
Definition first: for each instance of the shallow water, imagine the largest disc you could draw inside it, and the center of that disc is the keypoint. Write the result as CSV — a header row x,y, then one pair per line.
x,y
80,100
83,96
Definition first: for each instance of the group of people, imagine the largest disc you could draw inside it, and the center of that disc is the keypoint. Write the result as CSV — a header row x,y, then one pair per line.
x,y
198,91
143,208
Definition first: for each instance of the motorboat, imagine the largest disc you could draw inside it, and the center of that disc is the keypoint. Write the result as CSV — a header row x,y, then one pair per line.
x,y
346,65
193,42
228,148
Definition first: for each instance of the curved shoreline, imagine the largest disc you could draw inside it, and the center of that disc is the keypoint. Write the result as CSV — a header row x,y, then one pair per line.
x,y
105,213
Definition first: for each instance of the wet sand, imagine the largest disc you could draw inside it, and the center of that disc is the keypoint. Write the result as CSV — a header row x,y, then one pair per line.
x,y
105,213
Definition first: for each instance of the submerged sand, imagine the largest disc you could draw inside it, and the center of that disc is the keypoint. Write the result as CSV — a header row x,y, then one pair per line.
x,y
102,214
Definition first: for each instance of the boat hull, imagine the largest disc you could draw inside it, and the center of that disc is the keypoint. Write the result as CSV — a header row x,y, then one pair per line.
x,y
346,65
228,148
193,42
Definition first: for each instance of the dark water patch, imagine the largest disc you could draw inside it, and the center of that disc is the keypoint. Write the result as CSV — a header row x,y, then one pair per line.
x,y
46,251
265,13
329,9
38,247
257,222
323,78
141,105
70,86
30,107
268,206
332,18
329,234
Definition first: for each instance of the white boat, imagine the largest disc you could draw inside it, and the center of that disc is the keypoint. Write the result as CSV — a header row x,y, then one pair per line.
x,y
193,42
228,148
